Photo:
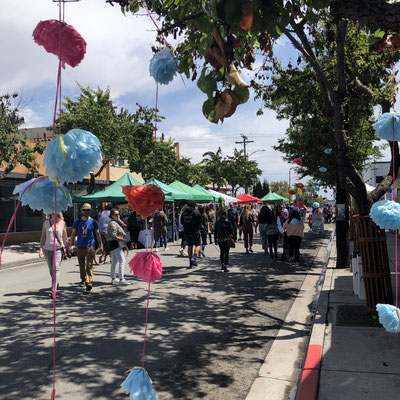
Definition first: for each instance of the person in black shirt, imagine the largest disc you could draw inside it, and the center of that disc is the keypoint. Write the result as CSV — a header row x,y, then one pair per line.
x,y
233,217
222,232
191,221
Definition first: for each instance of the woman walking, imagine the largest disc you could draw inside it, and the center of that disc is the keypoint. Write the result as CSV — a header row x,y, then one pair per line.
x,y
261,223
272,232
203,229
246,223
46,247
223,232
117,243
294,228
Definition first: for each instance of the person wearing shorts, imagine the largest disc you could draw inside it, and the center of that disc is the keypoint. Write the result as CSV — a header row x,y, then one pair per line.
x,y
191,221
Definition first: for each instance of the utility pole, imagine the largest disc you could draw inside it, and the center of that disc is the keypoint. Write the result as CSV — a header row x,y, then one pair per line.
x,y
244,142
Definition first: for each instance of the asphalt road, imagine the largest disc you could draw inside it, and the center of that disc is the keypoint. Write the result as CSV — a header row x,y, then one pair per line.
x,y
208,331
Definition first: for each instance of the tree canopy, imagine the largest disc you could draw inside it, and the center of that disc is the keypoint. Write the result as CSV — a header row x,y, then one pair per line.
x,y
14,147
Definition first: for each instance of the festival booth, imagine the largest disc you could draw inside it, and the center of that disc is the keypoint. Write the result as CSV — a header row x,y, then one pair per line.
x,y
274,198
198,195
226,199
247,199
215,198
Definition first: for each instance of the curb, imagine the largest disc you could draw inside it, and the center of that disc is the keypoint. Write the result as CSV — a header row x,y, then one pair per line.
x,y
20,263
309,379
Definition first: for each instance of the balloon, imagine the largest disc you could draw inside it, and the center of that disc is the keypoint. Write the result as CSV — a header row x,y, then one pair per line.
x,y
322,169
298,161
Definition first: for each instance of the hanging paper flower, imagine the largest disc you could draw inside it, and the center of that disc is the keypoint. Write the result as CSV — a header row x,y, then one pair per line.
x,y
163,66
384,126
315,196
40,196
300,204
315,204
389,317
322,169
328,150
316,188
146,265
292,192
308,190
294,221
284,214
71,157
299,185
303,190
298,161
139,385
386,214
56,36
144,199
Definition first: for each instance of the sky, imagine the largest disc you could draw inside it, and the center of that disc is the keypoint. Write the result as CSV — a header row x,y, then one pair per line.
x,y
118,55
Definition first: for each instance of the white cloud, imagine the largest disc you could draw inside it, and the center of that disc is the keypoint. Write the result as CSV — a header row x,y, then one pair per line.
x,y
32,119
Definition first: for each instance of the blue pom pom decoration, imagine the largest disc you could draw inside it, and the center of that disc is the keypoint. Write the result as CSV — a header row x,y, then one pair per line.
x,y
322,169
81,156
386,214
163,66
40,196
315,204
389,317
384,126
328,150
139,385
316,188
294,221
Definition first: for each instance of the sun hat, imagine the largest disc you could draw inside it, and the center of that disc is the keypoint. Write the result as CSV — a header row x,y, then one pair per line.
x,y
86,206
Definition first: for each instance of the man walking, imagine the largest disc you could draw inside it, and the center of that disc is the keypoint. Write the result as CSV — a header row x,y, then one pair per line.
x,y
86,228
191,221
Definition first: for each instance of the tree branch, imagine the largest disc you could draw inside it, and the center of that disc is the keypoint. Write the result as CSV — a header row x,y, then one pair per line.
x,y
340,57
180,22
362,88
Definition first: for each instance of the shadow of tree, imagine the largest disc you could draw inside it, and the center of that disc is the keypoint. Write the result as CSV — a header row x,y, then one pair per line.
x,y
208,331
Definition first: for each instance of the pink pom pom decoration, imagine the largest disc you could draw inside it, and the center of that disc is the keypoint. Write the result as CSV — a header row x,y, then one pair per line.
x,y
72,45
147,266
298,161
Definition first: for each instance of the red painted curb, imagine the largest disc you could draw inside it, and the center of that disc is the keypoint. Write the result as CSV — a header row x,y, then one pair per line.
x,y
308,386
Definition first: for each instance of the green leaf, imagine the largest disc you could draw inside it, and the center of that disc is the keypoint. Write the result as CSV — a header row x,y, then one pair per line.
x,y
208,110
242,93
319,4
233,11
206,83
167,3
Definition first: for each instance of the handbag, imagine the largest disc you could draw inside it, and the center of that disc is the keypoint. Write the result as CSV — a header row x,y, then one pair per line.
x,y
231,243
64,254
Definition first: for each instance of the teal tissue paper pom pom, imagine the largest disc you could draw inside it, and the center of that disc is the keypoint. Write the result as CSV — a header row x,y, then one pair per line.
x,y
315,204
40,196
322,169
389,317
82,155
384,126
328,150
294,221
163,66
386,214
139,385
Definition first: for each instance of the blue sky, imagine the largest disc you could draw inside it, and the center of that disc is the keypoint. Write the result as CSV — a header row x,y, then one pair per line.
x,y
118,54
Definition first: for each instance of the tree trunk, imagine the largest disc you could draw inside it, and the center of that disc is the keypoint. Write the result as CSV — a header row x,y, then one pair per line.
x,y
342,230
373,13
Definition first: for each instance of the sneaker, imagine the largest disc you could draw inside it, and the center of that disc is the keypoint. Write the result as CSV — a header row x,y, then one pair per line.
x,y
155,250
166,248
88,287
123,282
82,283
193,262
202,253
181,253
291,259
114,281
226,269
247,251
251,250
223,266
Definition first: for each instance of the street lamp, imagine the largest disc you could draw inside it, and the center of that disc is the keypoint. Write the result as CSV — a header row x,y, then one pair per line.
x,y
248,155
289,175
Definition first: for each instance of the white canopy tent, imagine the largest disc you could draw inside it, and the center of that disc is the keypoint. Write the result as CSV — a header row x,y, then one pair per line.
x,y
227,199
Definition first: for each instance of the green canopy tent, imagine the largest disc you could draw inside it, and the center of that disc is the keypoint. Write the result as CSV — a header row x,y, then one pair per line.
x,y
111,193
172,193
199,188
199,196
272,197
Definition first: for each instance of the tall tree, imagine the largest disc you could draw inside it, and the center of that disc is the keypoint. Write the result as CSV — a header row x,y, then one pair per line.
x,y
14,148
280,187
265,188
257,190
214,166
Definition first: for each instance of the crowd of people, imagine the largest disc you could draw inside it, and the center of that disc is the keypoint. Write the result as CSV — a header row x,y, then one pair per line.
x,y
195,226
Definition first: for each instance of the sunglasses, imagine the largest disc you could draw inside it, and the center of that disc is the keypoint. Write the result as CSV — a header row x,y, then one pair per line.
x,y
116,213
86,210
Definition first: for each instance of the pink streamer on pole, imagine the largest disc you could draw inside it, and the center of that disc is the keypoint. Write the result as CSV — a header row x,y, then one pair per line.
x,y
393,173
145,327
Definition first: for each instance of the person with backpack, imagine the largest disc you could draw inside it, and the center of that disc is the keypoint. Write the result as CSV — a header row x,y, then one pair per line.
x,y
223,234
261,224
87,231
272,232
246,223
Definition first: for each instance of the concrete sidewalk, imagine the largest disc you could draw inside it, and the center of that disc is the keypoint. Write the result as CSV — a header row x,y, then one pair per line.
x,y
350,356
20,254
